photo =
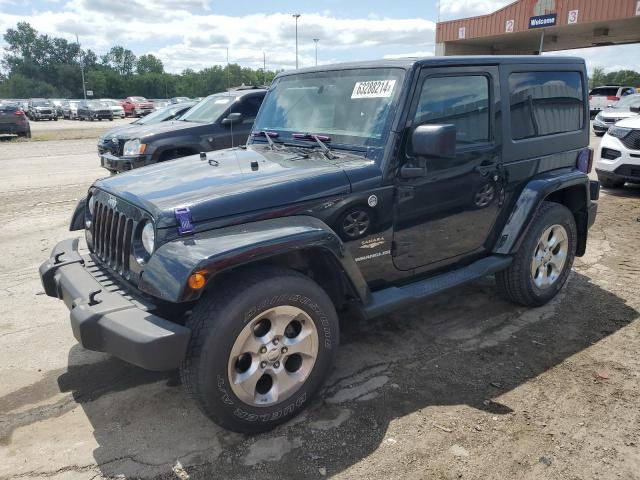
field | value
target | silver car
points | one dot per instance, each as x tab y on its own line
70	109
114	105
627	107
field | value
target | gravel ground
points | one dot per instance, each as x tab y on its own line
464	385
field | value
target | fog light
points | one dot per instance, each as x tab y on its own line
610	154
196	281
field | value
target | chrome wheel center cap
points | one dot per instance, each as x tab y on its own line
273	354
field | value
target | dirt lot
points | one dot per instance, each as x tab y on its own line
465	385
68	129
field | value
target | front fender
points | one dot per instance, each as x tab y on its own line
530	200
77	219
216	251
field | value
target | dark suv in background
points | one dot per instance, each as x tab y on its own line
13	120
94	110
219	121
41	109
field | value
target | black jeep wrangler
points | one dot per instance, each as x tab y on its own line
367	186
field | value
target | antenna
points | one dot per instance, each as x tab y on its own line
264	68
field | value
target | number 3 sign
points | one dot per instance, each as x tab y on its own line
573	17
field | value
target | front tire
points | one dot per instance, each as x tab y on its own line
262	343
543	263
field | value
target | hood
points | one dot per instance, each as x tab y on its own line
617	113
127	132
233	187
631	122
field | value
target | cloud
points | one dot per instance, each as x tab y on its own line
183	39
453	9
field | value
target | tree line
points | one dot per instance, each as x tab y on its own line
626	78
39	65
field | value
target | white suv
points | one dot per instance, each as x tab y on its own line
618	158
602	97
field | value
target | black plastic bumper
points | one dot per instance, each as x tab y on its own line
105	321
122	164
624	173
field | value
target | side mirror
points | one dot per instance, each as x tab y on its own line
232	119
434	141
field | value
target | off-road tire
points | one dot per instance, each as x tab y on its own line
217	320
516	282
609	183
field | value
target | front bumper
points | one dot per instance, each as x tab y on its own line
600	127
122	164
106	321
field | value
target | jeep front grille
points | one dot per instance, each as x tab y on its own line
632	140
112	233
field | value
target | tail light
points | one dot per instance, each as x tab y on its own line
613	98
19	112
585	160
590	97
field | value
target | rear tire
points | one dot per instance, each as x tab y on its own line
542	264
242	366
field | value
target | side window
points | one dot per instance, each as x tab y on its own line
249	106
459	100
545	103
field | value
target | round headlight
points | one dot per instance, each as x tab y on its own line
148	237
92	205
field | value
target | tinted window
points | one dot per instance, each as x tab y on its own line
605	91
248	106
462	101
545	103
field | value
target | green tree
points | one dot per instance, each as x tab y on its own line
121	59
149	64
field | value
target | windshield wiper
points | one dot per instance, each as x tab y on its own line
319	139
266	134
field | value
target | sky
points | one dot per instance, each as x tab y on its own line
196	33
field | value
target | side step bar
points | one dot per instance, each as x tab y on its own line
392	298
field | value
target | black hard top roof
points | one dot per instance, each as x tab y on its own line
410	62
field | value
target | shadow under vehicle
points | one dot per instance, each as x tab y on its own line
232	265
219	121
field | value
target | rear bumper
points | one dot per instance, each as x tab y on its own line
105	321
12	128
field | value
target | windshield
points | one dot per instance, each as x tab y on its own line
158	116
209	109
630	101
138	99
351	106
96	104
111	103
42	103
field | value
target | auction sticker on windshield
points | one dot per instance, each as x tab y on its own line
373	89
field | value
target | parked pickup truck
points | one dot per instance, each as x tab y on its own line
137	106
366	186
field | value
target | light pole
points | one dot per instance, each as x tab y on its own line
296	16
316	40
84	88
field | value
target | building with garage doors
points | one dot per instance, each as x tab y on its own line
528	27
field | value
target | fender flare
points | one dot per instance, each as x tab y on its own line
216	251
77	219
530	200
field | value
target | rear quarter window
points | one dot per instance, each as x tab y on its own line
545	103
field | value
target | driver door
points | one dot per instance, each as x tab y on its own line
448	212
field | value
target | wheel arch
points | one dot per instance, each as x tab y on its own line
568	188
302	243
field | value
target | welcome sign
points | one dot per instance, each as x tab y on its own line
541	21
